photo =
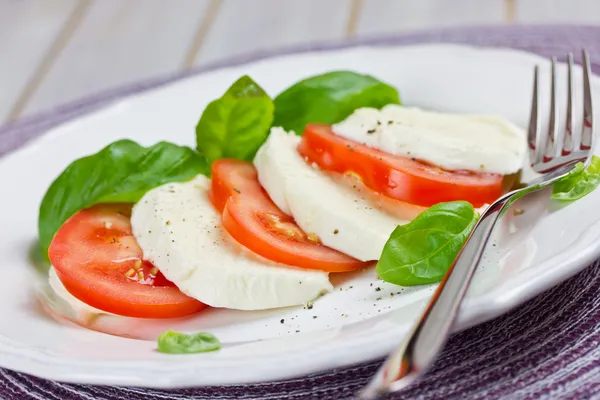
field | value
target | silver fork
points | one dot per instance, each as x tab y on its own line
553	154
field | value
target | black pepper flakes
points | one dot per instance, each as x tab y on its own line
297	331
282	320
377	289
237	190
314	317
335	231
390	122
168	222
370	131
379	298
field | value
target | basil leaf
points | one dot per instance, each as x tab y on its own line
172	342
421	251
330	98
121	172
579	183
237	124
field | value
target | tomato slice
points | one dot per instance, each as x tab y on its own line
254	221
99	262
397	177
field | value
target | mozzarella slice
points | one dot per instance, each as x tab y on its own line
180	232
451	141
341	218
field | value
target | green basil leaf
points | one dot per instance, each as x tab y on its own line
121	172
237	124
421	251
579	183
330	98
172	342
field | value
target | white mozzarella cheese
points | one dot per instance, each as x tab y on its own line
482	143
341	217
180	232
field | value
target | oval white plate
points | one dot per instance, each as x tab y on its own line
354	324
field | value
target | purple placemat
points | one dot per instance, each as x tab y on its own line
547	348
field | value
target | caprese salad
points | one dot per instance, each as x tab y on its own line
332	175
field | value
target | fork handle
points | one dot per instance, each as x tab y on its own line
428	337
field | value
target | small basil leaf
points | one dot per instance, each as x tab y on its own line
421	251
121	172
237	124
579	183
330	98
172	342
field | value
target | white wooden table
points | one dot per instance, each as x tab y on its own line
55	51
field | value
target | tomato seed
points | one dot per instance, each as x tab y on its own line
312	237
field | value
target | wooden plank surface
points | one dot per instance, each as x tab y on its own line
249	26
392	16
27	31
118	42
56	51
548	11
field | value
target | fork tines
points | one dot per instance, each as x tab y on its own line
557	145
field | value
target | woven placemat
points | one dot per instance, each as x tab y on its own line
547	348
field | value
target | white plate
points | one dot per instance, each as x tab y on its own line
531	252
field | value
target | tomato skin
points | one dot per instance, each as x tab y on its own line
255	222
92	254
397	177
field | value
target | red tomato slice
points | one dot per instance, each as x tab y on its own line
397	177
99	262
254	221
